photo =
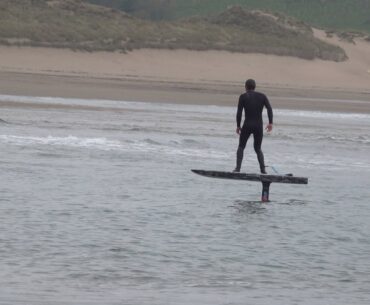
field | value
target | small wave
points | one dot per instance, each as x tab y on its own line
322	114
137	105
175	143
146	129
339	139
141	146
152	142
193	143
189	143
62	141
293	202
284	137
360	139
176	148
200	109
136	129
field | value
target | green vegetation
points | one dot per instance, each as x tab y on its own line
78	25
67	23
341	15
148	9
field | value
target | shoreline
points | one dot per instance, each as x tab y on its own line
175	92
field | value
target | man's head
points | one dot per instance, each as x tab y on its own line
250	84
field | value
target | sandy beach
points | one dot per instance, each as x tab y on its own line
183	76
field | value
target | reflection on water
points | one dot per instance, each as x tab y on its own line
292	202
249	207
259	207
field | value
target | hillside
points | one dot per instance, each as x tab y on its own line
78	25
340	15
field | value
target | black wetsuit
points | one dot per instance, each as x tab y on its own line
253	103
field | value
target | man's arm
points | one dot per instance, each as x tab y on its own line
269	113
239	114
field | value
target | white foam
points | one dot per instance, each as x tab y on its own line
72	141
143	146
211	109
321	114
137	105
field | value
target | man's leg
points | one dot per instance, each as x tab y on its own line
258	136
243	138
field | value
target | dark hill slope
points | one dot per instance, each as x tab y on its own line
341	15
78	25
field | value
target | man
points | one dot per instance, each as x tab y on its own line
253	103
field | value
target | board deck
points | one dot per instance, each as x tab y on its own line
252	177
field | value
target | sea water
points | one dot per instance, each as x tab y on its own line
98	206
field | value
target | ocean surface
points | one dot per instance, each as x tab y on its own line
98	206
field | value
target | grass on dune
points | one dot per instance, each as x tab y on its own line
78	25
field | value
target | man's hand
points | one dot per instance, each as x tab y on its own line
238	130
269	127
